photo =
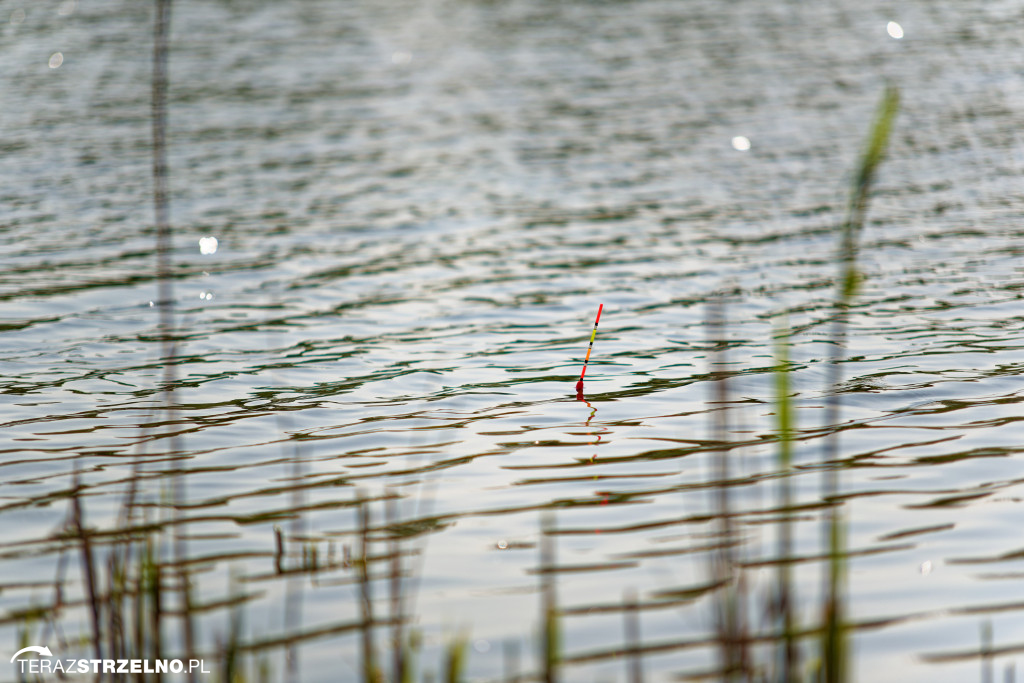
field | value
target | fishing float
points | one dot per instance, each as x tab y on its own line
579	385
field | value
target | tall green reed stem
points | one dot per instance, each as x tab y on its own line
371	672
731	598
834	647
165	296
631	617
395	589
88	570
549	601
786	601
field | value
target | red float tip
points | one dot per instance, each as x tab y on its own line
579	387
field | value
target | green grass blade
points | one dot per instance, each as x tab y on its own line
784	425
870	160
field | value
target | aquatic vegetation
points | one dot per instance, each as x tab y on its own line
785	600
551	630
835	649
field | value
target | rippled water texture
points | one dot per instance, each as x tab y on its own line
418	208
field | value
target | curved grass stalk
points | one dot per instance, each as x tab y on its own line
834	650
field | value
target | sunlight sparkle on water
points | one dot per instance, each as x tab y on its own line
740	143
56	59
208	245
894	30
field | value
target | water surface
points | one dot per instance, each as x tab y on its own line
419	207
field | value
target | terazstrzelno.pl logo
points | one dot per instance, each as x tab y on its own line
46	663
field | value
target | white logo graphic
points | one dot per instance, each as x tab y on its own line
62	667
33	648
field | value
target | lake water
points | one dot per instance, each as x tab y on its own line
418	208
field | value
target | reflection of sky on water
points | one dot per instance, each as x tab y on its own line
393	223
